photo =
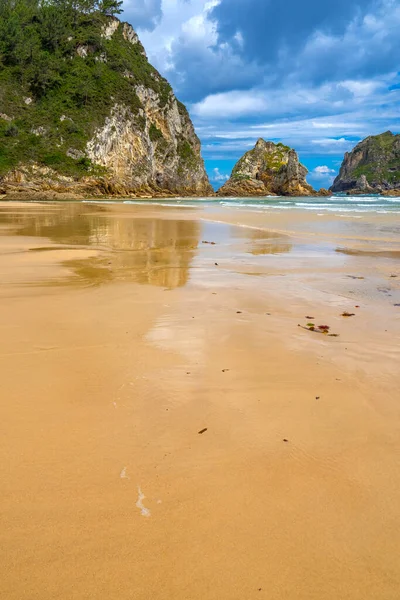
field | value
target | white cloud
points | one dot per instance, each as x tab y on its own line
217	176
362	88
323	172
322	124
184	48
230	104
330	142
180	19
288	100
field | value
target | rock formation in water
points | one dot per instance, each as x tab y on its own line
83	112
268	169
373	166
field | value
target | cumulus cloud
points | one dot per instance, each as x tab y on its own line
322	175
218	177
231	104
184	47
321	172
293	99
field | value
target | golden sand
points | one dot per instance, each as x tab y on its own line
123	336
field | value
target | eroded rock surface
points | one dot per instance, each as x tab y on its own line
268	169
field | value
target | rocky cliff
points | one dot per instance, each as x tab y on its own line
268	169
85	113
372	167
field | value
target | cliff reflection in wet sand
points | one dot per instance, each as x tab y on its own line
262	242
154	251
146	250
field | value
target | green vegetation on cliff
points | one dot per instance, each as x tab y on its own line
60	75
380	162
266	169
273	156
187	157
155	134
240	176
377	158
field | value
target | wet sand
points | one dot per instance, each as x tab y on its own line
123	336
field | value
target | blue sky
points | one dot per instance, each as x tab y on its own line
318	75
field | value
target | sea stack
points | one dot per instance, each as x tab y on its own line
372	167
268	169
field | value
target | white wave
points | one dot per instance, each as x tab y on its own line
266	206
348	209
363	202
150	203
228	199
358	198
314	204
99	201
279	207
244	205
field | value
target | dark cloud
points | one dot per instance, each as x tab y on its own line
201	71
312	41
264	44
271	28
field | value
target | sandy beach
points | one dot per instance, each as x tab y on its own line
172	428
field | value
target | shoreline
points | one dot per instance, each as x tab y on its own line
47	195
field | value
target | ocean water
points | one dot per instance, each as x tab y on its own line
335	204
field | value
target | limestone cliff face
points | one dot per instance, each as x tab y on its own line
155	150
268	169
372	167
136	139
